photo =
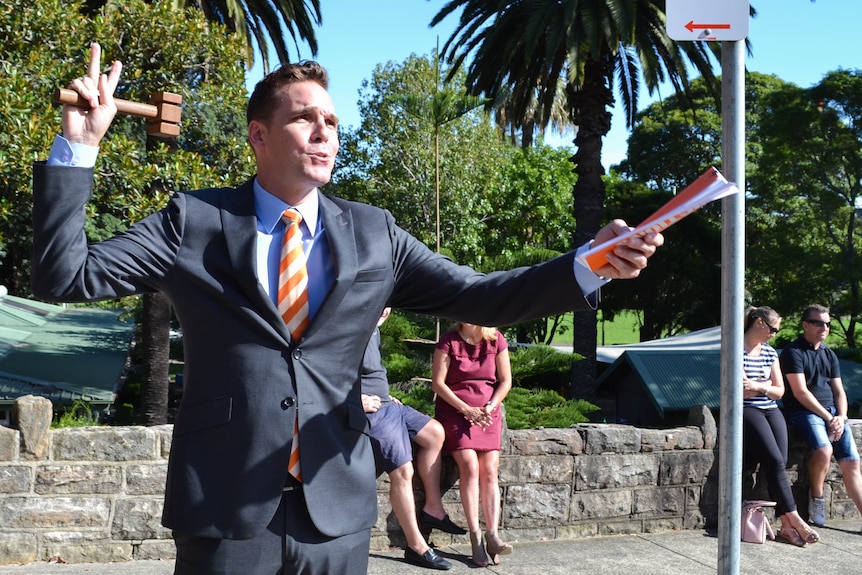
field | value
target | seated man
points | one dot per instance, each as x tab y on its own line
817	407
393	426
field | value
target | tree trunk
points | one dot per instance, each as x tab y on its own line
590	105
155	345
155	342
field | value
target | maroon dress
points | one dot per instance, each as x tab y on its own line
472	376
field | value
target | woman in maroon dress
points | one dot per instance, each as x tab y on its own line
471	376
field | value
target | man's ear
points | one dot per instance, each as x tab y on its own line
256	132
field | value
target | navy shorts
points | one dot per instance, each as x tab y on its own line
393	428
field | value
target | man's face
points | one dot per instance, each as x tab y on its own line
815	327
296	149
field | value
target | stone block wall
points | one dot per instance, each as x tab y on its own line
94	494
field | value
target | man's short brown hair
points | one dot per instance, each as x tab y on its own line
264	98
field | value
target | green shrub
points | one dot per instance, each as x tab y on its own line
418	396
525	408
530	408
78	415
401	368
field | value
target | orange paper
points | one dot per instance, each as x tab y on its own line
708	187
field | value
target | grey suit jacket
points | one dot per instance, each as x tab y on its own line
245	381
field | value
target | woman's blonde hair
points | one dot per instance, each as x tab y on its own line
488	333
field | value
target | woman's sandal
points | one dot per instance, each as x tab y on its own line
808	534
496	547
790	535
480	558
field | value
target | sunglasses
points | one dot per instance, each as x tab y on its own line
818	323
772	330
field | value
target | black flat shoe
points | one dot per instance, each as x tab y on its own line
444	524
429	560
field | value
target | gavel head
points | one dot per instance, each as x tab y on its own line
166	124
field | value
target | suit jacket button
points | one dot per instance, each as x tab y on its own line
297	353
287	403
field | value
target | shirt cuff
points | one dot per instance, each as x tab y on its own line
589	281
64	153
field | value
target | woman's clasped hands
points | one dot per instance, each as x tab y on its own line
478	416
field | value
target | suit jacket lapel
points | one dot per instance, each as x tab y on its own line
342	249
239	221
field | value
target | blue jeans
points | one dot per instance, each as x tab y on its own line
813	429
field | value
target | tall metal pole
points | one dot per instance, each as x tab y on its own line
732	283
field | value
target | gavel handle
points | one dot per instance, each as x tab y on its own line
71	97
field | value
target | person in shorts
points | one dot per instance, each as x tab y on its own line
817	407
394	429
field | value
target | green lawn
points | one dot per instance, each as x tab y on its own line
625	328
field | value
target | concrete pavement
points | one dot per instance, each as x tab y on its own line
665	553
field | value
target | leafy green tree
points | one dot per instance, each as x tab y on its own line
675	139
672	143
532	205
500	204
390	160
672	291
529	45
807	193
255	22
132	179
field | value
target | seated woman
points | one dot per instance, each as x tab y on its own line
764	430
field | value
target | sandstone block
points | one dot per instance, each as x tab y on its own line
546	442
155	550
15	479
600	505
105	444
535	505
701	417
536	469
165	434
54	512
10	444
139	518
32	416
602	438
616	471
18	548
659	501
682	467
78	479
146	479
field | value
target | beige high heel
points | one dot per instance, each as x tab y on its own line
496	546
480	558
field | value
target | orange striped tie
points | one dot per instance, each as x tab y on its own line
293	302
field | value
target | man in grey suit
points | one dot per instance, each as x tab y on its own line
229	500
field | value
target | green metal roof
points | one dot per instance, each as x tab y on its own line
61	353
676	380
679	379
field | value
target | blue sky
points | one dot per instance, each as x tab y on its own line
797	40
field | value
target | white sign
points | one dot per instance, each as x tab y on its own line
707	20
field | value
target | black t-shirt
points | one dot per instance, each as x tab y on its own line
818	366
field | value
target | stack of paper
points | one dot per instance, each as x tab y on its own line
710	186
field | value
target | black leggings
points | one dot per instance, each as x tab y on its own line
764	433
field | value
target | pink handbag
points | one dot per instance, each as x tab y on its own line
755	527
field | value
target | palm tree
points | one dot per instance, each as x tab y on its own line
528	46
256	21
526	126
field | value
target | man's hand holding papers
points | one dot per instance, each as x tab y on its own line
710	186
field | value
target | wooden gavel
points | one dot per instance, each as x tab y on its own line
163	114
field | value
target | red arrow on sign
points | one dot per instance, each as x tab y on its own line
691	26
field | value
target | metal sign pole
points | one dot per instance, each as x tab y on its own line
732	296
